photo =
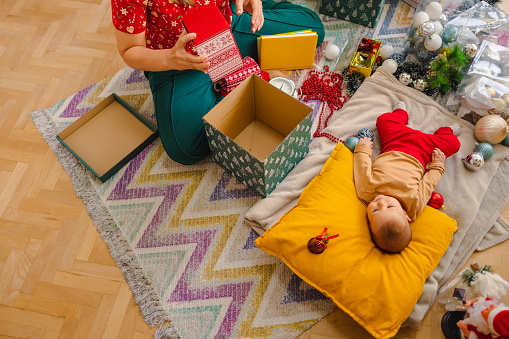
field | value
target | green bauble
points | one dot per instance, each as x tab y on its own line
351	142
450	34
485	149
505	142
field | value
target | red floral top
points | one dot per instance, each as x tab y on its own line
160	19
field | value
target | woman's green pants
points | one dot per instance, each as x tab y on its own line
182	98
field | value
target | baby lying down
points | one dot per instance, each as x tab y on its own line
398	184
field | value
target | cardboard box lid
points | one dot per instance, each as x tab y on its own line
105	135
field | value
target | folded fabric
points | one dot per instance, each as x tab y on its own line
378	289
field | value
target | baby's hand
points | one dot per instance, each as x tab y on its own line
366	141
438	155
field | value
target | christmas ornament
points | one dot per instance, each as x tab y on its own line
318	244
366	133
491	129
473	161
419	84
471	49
427	29
391	65
331	52
434	10
485	149
505	142
386	51
436	200
419	18
439	28
351	142
450	34
433	42
398	58
443	19
405	78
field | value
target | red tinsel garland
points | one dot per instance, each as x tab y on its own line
326	87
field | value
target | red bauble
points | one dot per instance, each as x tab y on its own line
316	245
436	200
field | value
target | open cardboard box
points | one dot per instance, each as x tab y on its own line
258	133
108	136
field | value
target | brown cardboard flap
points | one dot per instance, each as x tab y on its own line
235	112
259	139
277	109
105	135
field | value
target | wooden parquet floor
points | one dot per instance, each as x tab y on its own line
57	277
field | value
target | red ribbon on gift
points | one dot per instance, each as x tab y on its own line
324	238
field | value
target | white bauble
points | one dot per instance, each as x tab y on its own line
391	65
331	52
386	51
438	28
419	18
434	10
433	43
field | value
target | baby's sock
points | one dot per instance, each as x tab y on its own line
399	105
456	129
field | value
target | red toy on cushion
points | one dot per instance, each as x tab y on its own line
436	200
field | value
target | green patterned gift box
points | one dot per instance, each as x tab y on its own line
259	160
362	12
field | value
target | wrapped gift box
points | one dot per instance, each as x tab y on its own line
362	12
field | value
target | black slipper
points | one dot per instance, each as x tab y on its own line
449	327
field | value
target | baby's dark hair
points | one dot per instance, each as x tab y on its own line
393	236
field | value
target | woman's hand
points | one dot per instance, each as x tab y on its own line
180	59
254	7
132	48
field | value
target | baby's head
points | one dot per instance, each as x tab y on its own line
389	224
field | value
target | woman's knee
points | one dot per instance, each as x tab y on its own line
185	151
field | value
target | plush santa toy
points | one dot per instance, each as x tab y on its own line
485	319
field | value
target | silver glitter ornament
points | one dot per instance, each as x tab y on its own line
443	19
427	29
405	78
420	84
473	161
470	49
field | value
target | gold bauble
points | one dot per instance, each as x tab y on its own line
491	129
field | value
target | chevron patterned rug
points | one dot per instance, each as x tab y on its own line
177	231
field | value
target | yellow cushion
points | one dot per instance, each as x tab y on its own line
377	289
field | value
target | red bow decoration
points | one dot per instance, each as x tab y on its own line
318	244
326	238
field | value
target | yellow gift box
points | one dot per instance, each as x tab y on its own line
365	57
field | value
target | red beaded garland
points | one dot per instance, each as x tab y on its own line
326	87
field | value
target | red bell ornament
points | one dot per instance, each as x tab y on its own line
436	200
